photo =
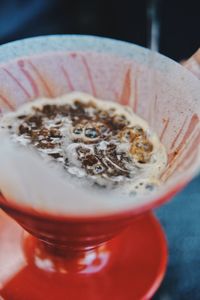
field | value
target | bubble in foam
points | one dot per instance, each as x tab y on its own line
91	132
150	187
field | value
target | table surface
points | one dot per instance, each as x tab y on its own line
180	219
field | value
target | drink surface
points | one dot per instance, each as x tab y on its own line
102	143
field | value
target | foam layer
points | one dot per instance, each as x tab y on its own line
103	144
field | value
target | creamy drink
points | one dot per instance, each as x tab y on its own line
100	142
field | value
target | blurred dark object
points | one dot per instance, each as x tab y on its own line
180	29
125	20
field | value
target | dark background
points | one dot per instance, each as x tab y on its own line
121	19
126	20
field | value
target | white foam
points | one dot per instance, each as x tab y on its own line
147	174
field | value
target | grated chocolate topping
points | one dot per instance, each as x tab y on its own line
103	143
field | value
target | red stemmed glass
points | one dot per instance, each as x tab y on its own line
107	251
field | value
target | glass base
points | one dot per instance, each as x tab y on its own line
129	267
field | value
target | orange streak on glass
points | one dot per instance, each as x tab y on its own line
178	134
43	81
67	77
33	84
126	89
190	152
7	102
136	96
17	82
89	75
172	157
164	129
